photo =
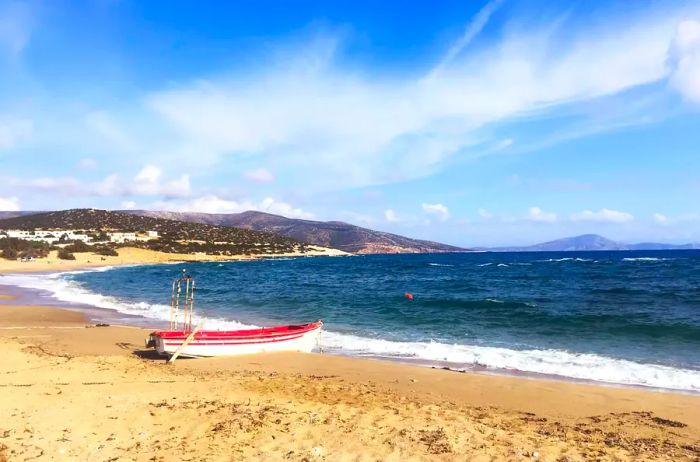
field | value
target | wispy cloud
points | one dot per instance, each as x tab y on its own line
439	210
16	24
603	216
685	60
357	131
260	175
214	204
472	30
537	214
147	182
9	204
391	216
660	218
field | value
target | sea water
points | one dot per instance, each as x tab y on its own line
617	317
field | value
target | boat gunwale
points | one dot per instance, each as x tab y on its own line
242	334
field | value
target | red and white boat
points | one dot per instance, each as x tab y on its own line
182	340
238	342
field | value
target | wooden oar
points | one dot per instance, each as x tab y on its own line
187	340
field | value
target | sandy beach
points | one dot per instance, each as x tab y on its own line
137	256
74	391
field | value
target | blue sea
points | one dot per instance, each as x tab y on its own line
617	317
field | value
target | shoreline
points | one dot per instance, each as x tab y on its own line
113	316
138	256
314	406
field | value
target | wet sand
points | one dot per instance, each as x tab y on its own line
72	391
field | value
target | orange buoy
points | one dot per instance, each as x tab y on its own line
408	296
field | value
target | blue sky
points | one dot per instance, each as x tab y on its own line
473	123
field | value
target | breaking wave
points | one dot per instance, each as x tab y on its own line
66	290
557	260
553	362
550	362
646	259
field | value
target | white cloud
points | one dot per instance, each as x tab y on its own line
305	111
270	205
660	218
260	175
537	214
213	204
438	209
13	131
485	214
148	175
503	144
472	30
390	216
9	204
204	204
684	58
128	205
109	186
603	216
148	183
679	219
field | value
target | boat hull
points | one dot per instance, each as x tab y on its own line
301	338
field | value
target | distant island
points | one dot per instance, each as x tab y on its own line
590	242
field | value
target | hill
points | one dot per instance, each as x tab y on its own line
334	234
4	215
589	242
174	236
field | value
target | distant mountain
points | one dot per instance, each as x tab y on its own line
174	236
334	234
588	242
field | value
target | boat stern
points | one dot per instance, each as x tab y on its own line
155	341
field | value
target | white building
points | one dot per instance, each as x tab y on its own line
50	237
67	235
120	237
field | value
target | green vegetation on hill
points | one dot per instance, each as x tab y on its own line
174	236
12	248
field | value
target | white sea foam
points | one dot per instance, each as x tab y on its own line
550	362
557	260
440	264
73	292
485	264
646	259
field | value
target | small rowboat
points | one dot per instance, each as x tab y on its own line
238	342
182	340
